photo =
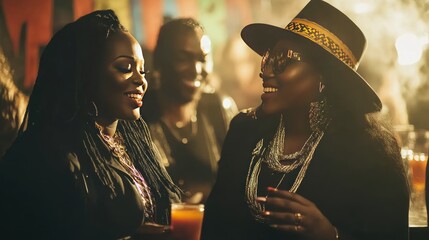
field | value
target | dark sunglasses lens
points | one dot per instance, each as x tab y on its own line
280	63
265	60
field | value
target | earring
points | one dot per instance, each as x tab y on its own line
321	87
319	115
92	109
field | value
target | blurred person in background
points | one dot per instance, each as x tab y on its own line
187	123
313	162
84	166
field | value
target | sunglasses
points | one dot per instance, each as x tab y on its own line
279	61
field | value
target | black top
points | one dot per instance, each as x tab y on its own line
191	162
51	192
358	186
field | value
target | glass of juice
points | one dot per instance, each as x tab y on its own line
418	171
417	161
186	221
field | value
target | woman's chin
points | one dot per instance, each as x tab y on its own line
134	115
268	110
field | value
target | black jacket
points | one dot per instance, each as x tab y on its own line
48	191
354	182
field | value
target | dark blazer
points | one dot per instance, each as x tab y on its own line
48	192
354	182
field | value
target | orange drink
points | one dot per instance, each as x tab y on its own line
186	221
417	165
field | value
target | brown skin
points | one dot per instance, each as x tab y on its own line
179	94
121	73
298	86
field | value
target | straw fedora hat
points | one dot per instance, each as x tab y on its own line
340	43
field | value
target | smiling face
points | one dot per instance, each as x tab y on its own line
290	83
121	83
184	73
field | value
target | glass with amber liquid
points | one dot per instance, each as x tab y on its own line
417	160
417	163
186	221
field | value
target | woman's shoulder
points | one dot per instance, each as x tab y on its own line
25	145
255	123
372	147
245	130
244	120
40	150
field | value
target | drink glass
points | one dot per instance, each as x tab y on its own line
417	160
417	164
186	221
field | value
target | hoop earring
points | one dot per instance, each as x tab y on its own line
92	109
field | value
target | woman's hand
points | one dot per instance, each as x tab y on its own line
153	231
290	212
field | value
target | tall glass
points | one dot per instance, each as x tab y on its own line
417	160
417	164
186	221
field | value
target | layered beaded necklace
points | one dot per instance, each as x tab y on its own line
273	155
117	146
276	158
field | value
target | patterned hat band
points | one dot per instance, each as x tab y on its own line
324	38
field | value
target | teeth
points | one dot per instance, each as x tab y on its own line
135	96
270	90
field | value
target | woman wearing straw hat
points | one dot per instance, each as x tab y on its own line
313	161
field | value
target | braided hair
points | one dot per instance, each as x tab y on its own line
61	100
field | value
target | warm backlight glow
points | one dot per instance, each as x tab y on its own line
206	44
409	48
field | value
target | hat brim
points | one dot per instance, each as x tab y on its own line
348	87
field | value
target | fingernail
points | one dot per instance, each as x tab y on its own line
272	189
261	199
266	213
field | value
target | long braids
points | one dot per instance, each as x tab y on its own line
98	155
137	142
61	101
140	148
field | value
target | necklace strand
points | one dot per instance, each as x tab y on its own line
272	155
174	130
275	153
117	146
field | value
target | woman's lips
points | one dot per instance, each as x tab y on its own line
136	99
268	92
270	89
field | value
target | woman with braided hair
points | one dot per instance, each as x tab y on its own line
84	166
